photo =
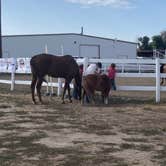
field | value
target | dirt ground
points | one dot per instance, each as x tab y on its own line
130	131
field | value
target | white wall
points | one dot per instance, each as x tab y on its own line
30	45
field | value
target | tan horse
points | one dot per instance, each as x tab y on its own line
162	70
96	82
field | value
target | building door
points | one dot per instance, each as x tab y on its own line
89	50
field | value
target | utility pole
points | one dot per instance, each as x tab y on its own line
0	33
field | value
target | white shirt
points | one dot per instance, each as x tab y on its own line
91	69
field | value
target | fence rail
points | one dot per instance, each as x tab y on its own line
132	68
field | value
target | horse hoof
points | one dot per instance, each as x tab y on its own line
106	101
63	102
71	101
34	102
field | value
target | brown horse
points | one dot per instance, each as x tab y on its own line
96	82
54	66
162	70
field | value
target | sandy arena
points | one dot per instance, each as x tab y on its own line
130	131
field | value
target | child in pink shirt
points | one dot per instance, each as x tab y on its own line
112	75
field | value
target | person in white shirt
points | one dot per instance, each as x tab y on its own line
93	69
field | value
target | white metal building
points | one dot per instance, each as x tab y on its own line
77	45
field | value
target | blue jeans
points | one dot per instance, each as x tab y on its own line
113	85
75	92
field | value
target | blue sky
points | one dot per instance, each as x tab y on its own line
121	19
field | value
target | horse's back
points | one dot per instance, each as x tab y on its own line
45	58
89	79
56	66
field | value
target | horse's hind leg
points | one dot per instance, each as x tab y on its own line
33	84
38	87
106	99
68	88
93	98
83	96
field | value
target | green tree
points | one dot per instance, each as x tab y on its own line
157	42
144	43
163	36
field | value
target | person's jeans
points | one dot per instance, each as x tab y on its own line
113	85
75	92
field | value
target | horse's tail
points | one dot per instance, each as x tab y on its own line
78	81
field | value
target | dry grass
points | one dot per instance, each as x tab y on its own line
131	130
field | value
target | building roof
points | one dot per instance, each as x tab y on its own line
24	35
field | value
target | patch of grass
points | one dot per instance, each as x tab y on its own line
141	147
128	100
5	159
127	146
151	131
4	106
75	160
102	159
99	128
161	155
133	139
148	109
107	150
2	114
130	131
144	131
105	132
164	129
8	126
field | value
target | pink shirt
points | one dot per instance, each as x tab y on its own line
111	73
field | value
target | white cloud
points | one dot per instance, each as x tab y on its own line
113	3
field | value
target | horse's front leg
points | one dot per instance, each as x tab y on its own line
64	91
38	87
83	96
33	84
105	96
92	98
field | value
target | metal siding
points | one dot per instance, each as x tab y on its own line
27	46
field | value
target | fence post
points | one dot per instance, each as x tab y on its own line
47	77
139	68
13	69
157	80
59	86
85	63
123	68
52	89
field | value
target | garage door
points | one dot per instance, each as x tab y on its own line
90	51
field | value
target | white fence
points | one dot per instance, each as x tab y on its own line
142	68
